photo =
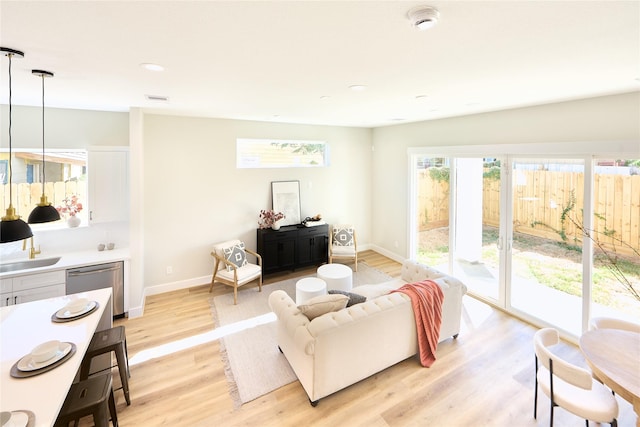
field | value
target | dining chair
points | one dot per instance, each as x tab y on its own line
613	323
569	386
343	244
232	268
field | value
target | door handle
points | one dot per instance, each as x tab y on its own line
84	273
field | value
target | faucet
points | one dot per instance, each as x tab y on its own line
32	251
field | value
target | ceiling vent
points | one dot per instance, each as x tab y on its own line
423	17
157	98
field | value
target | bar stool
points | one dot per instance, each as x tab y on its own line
93	396
106	341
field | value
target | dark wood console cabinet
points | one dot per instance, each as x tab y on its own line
292	247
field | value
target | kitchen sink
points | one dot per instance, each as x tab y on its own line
29	264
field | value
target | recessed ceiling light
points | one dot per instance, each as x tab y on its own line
325	97
357	87
152	67
421	97
423	17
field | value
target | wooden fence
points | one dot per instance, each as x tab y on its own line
27	196
538	203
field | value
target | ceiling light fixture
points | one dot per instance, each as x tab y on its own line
423	17
43	212
152	67
357	87
12	228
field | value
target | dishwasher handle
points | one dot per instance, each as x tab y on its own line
84	273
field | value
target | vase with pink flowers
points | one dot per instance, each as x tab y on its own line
69	209
269	219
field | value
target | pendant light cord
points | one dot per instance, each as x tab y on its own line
10	55
43	168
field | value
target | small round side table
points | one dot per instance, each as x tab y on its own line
337	276
308	288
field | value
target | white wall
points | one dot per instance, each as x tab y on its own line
194	196
606	119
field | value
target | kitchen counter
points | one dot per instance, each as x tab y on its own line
69	260
23	327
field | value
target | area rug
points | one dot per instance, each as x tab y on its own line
253	364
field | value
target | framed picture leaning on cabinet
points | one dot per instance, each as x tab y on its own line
286	199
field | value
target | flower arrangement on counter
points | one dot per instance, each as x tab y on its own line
70	206
269	217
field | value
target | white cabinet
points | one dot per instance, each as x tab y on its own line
32	287
108	173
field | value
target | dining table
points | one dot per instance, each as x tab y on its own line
614	357
41	392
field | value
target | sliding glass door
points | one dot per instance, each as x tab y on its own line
554	239
476	254
546	250
614	234
458	219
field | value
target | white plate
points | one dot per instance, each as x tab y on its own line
64	313
15	419
27	363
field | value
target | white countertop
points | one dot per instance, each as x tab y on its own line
70	260
23	327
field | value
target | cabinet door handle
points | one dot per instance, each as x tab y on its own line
7	303
15	299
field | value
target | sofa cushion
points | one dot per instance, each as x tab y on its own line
323	304
353	298
372	291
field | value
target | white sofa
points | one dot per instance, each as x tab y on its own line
340	348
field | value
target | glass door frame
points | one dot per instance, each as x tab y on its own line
588	151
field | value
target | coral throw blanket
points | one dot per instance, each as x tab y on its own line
426	300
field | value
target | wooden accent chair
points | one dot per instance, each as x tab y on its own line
232	267
569	386
343	244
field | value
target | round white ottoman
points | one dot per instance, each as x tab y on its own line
337	276
308	288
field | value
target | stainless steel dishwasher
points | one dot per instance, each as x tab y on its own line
99	276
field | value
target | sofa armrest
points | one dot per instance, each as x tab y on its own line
292	321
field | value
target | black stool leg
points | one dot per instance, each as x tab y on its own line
123	368
112	409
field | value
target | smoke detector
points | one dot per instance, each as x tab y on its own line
423	17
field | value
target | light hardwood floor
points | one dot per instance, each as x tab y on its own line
484	378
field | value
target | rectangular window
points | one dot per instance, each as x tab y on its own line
275	153
65	176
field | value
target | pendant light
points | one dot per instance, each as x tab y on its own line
43	212
12	228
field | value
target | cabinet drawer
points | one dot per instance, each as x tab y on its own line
308	231
38	280
6	285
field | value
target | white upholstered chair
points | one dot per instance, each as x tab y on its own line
232	267
569	386
343	244
613	323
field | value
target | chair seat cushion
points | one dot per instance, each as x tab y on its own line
343	250
597	404
246	273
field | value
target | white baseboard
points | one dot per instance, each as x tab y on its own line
382	251
198	281
166	287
